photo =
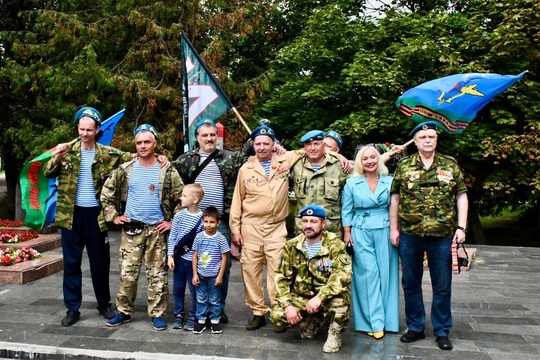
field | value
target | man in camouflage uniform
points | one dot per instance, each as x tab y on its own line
226	163
313	281
319	179
150	196
79	214
427	188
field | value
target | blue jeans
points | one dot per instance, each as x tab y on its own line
182	274
224	288
439	254
208	299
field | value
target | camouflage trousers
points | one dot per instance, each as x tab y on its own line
150	246
335	310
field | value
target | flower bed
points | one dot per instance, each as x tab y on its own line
11	237
11	256
10	223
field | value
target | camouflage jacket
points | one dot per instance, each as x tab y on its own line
322	187
427	198
327	274
115	190
105	161
229	162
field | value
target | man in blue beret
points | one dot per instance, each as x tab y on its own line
82	170
259	208
313	281
142	197
216	170
427	189
319	178
333	141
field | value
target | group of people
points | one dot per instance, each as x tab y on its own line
185	216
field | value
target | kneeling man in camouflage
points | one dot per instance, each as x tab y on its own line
313	281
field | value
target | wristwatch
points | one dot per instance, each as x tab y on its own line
464	229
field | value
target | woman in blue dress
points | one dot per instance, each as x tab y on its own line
365	219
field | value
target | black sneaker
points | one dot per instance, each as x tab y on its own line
216	328
412	336
255	323
444	343
199	328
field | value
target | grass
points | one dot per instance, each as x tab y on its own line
507	218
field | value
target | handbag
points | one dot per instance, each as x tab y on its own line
185	244
459	261
350	249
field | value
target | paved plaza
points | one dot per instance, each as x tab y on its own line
496	310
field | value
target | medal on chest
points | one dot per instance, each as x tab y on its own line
152	188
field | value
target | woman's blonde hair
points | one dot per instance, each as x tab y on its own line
359	170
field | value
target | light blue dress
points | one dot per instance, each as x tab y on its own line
375	290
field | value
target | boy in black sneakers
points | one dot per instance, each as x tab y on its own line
209	262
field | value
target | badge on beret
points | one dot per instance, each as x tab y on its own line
263	132
309	212
425	127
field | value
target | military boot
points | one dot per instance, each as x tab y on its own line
333	342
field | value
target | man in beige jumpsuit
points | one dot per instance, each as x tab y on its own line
257	220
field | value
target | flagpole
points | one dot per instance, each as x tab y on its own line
241	120
68	144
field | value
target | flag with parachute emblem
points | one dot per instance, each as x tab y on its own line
202	95
453	101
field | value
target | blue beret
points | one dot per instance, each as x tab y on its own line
313	210
204	122
263	130
146	127
424	126
312	135
88	112
334	135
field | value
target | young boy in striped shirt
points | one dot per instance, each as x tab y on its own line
209	262
183	224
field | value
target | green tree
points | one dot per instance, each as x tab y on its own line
345	73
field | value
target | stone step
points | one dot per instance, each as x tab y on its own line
42	243
23	229
32	270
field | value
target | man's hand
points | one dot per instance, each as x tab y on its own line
163	161
237	240
293	315
345	164
170	262
195	280
251	159
279	150
394	237
163	226
313	306
61	150
119	220
459	236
